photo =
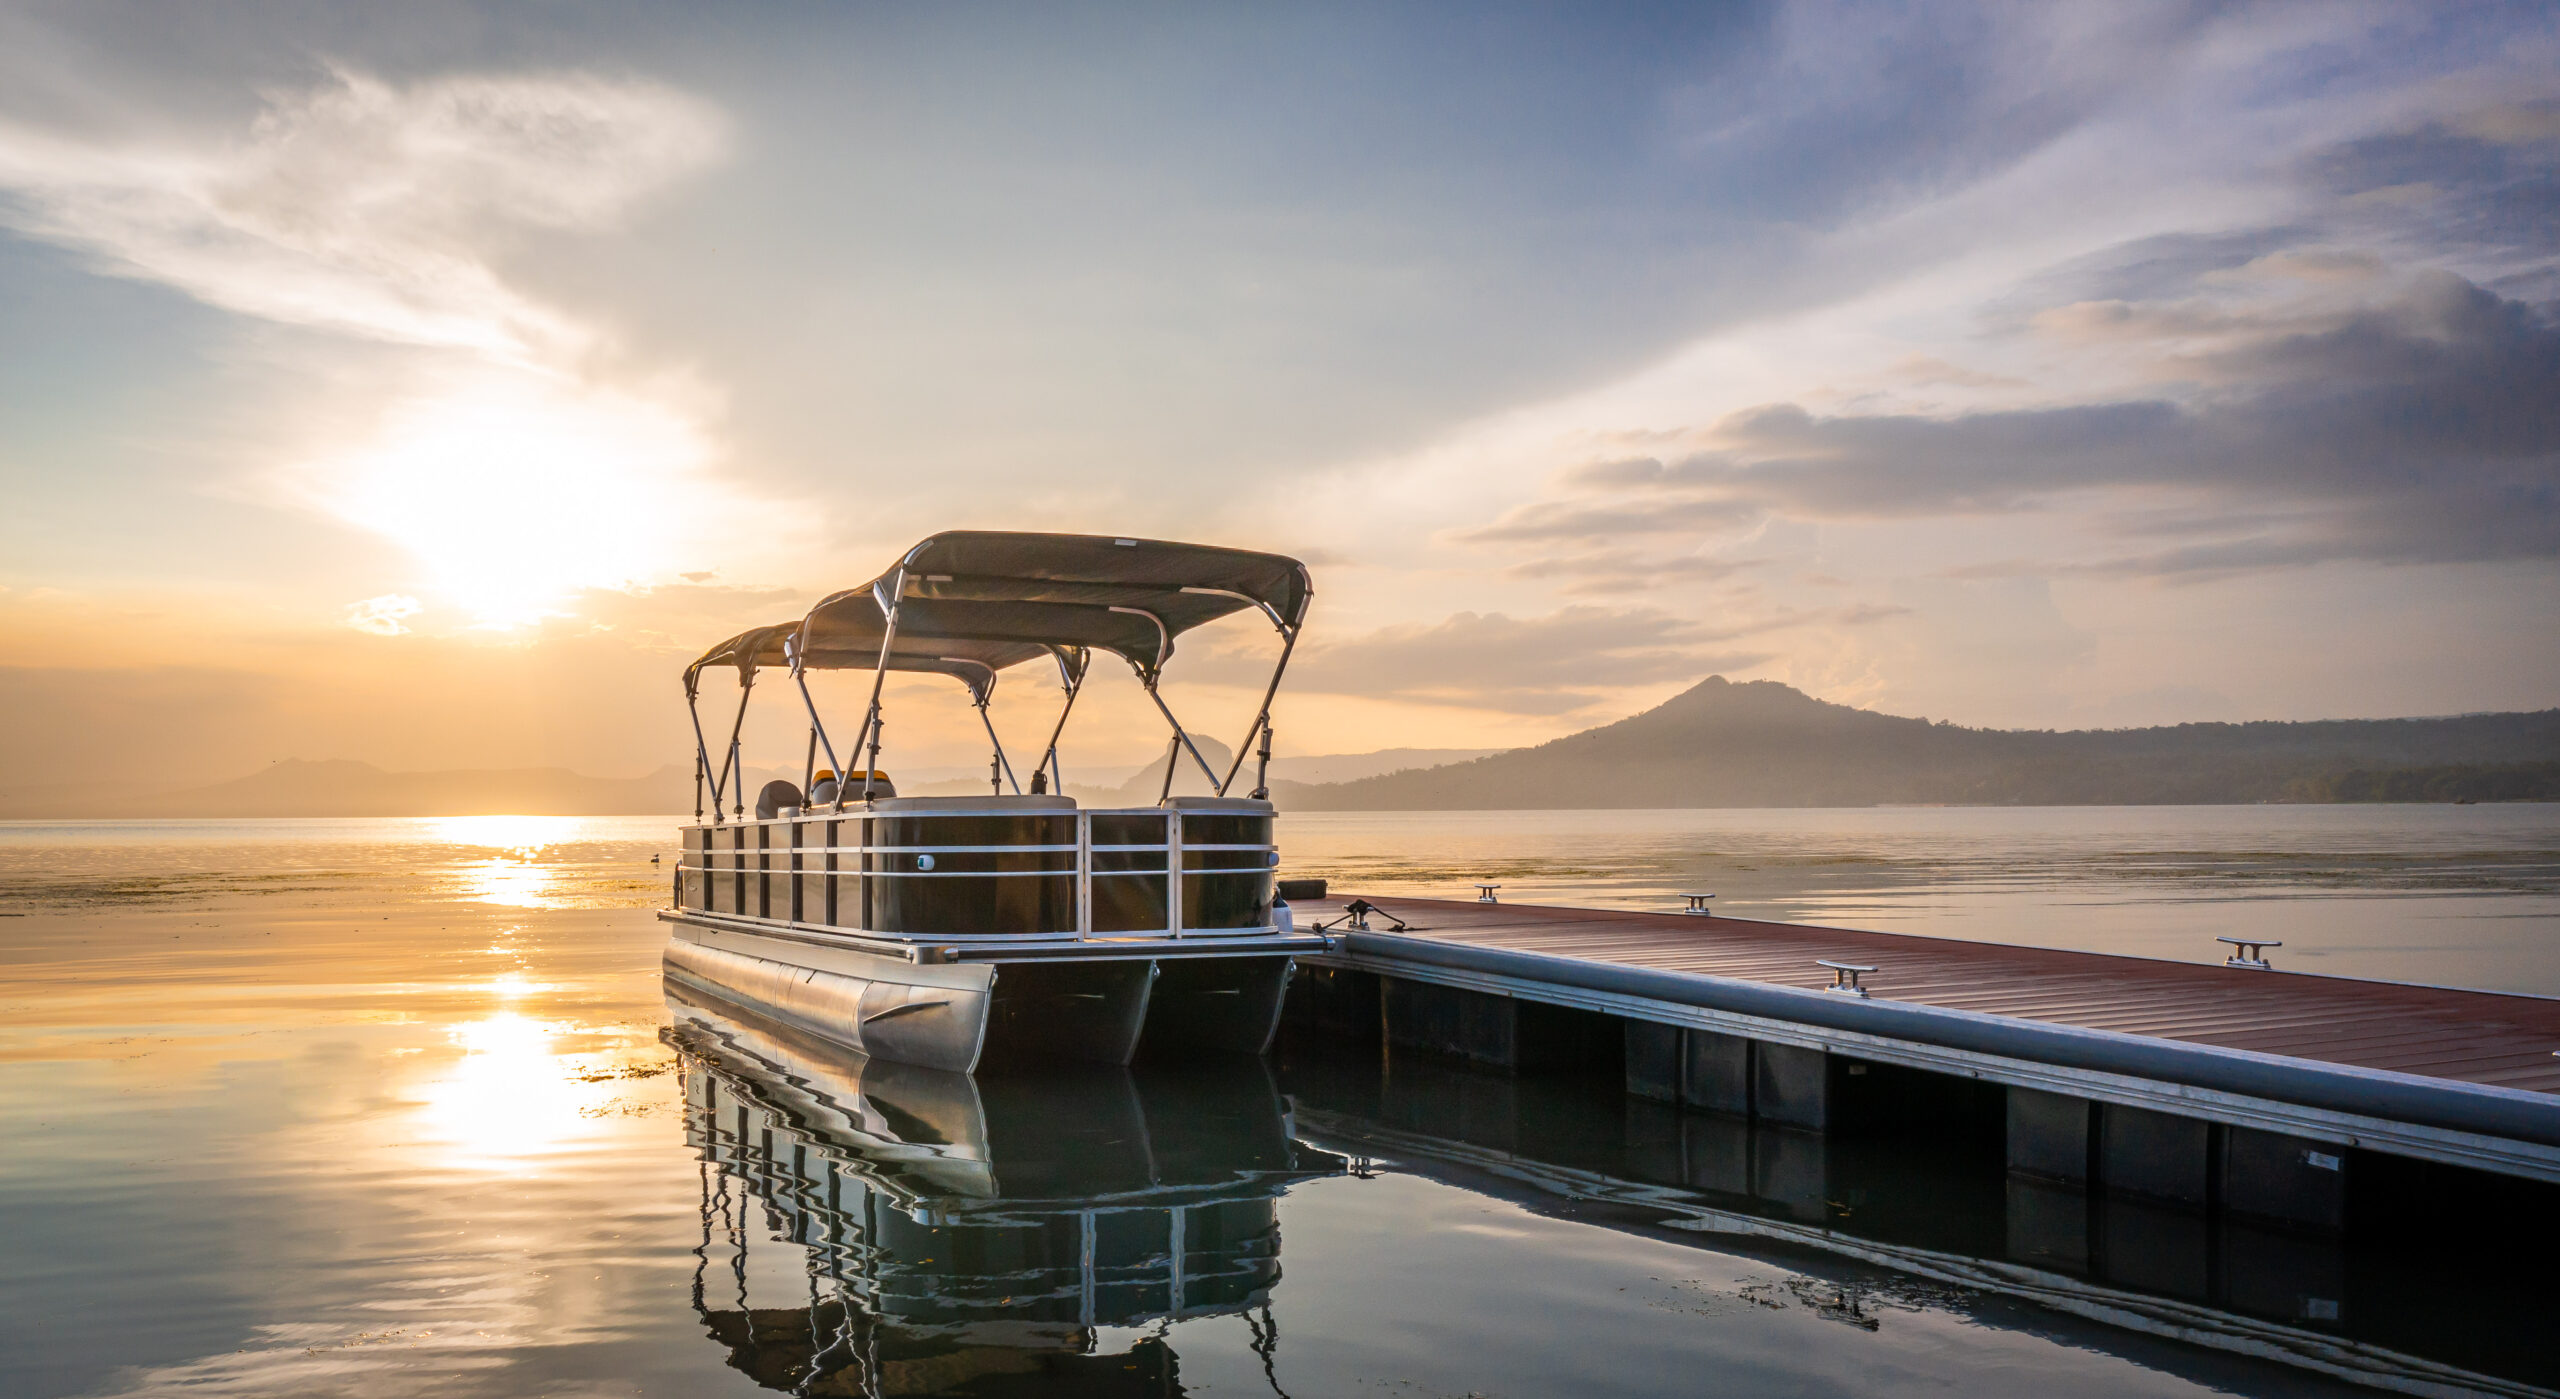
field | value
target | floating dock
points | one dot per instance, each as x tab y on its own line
2216	1086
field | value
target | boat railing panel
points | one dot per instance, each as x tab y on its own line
992	869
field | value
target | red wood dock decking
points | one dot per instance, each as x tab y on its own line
2479	1037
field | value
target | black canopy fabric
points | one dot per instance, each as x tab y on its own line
851	641
1131	597
748	650
978	601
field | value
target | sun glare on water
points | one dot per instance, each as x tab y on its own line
520	834
508	1096
516	872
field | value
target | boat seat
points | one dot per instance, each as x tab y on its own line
824	793
776	795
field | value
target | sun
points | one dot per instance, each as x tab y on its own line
514	490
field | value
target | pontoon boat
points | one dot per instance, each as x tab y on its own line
1013	927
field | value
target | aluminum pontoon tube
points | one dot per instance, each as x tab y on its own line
931	1016
2514	1114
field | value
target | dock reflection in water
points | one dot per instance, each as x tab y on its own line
953	1233
2428	1292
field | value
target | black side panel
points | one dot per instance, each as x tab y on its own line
1216	1005
1044	1012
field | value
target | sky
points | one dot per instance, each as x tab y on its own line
425	383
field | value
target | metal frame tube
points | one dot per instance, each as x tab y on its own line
1182	741
1049	759
843	776
879	677
1262	716
817	726
1001	762
701	756
730	768
818	729
1164	644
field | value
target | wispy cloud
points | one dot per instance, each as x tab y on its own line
386	615
369	208
2424	427
501	459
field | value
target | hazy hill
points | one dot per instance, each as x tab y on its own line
1766	744
342	787
1718	744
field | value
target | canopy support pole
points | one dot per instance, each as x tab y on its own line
844	776
1049	759
1262	725
809	764
1001	766
879	678
701	758
1181	741
730	771
817	728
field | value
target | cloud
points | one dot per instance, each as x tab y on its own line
2425	428
1547	522
372	209
1558	663
385	615
1605	571
506	465
1929	370
2481	183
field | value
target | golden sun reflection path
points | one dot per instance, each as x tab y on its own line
511	1097
373	1106
536	862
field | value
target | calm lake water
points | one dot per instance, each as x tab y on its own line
393	1107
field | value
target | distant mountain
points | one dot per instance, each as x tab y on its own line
1351	767
1717	745
1765	744
342	787
1142	787
1123	787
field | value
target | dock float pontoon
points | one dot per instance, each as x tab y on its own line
2248	1089
1012	927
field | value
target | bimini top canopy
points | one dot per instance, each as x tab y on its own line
853	643
748	650
1131	597
972	603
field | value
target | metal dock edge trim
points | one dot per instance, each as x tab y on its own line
2510	1131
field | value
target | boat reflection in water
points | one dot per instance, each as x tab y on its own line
960	1233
